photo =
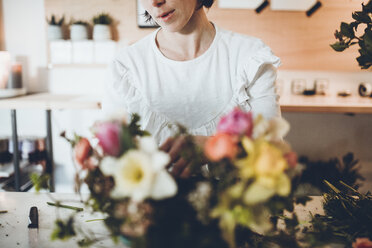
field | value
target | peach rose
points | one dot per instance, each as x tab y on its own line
220	146
362	243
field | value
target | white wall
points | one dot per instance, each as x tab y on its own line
25	39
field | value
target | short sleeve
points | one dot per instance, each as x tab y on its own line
118	89
257	91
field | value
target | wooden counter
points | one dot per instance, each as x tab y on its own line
326	104
288	103
49	101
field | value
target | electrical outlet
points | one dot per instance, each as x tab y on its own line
322	86
298	86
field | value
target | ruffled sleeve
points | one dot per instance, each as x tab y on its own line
122	95
119	89
256	90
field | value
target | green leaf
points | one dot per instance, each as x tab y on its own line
368	7
361	17
63	230
339	46
364	61
347	30
40	182
367	37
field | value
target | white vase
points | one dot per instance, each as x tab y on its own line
78	32
55	32
101	32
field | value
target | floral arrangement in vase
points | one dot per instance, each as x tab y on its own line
245	199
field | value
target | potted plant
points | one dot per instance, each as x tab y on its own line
347	36
55	28
102	29
79	30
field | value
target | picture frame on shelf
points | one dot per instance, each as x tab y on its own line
141	19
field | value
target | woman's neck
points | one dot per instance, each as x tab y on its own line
190	42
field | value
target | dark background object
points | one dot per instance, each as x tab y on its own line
313	9
365	89
262	7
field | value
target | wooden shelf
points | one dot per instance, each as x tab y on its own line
326	104
288	103
50	101
79	66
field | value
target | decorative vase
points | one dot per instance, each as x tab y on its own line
101	32
78	32
55	32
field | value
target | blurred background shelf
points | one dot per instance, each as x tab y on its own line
326	104
51	101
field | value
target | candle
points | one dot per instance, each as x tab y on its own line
15	79
4	69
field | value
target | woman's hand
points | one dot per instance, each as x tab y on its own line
174	146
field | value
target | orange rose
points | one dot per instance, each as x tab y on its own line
221	146
83	150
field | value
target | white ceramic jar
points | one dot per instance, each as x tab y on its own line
78	32
55	32
101	32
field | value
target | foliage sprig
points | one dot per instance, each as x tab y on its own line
347	36
56	22
102	18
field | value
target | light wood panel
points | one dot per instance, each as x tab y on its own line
326	104
301	42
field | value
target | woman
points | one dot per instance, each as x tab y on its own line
191	72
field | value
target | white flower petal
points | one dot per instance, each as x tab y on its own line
139	195
118	193
109	166
147	144
282	128
164	186
160	160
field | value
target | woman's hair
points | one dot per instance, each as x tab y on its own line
202	3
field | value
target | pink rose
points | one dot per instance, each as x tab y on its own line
362	243
237	122
108	134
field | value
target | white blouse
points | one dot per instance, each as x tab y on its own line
236	70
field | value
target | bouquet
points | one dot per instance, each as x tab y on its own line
245	198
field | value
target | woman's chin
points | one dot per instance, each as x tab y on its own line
171	27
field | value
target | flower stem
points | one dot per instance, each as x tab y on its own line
65	206
94	220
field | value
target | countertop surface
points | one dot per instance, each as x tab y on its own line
15	233
13	224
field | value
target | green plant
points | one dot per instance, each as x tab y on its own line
102	18
53	20
347	216
347	35
79	22
333	170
